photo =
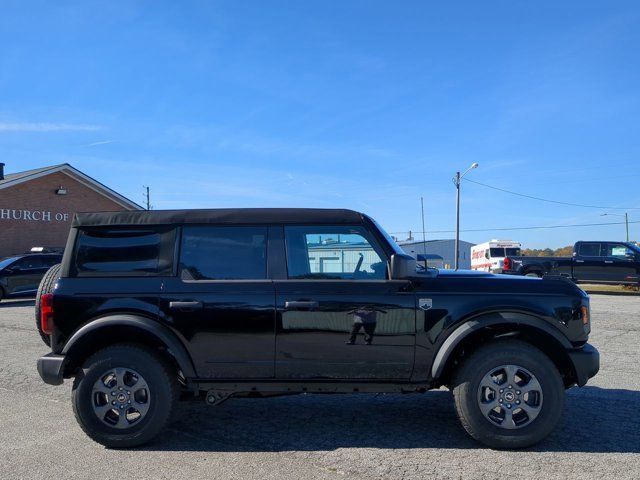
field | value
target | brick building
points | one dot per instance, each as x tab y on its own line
37	206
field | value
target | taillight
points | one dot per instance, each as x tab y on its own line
46	313
506	265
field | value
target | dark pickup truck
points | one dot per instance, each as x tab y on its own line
592	262
147	307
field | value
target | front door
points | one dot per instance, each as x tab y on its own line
222	301
621	263
338	315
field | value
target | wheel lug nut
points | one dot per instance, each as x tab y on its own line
508	405
510	387
517	402
499	400
121	407
113	403
113	394
128	392
518	392
502	390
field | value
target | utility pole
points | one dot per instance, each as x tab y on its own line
456	182
626	220
424	235
148	198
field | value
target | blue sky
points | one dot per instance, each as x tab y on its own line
357	104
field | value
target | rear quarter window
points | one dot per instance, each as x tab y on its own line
124	252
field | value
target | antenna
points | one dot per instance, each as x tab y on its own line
424	235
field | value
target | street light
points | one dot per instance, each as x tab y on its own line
456	182
626	219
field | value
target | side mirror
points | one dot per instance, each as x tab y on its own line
402	266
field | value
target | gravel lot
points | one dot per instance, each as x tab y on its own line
312	436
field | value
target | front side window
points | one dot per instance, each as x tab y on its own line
341	252
223	253
618	250
124	252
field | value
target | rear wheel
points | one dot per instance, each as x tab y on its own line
124	395
46	286
508	394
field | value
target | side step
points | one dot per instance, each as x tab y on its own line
219	391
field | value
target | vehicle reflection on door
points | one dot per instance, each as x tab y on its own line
367	331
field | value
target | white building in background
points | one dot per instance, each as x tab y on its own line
337	257
445	249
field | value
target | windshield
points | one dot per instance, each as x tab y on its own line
388	238
5	262
633	247
504	252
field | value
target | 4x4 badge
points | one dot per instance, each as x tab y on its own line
425	303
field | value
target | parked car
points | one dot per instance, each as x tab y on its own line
20	275
153	305
592	262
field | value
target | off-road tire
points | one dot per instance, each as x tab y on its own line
46	286
160	377
467	380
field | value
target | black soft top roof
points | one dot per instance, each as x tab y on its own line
224	216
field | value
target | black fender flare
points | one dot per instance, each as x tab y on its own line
486	320
161	332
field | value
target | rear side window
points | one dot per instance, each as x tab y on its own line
589	250
223	253
124	252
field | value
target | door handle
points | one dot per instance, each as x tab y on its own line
300	305
579	261
186	306
608	261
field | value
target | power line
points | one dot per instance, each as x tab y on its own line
531	197
526	228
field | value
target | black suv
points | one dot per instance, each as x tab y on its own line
152	306
20	275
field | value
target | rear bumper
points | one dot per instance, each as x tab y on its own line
51	368
586	363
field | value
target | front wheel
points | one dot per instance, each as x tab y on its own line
508	394
124	395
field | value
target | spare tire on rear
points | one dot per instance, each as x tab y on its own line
46	286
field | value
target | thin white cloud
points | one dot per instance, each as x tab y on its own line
95	144
47	127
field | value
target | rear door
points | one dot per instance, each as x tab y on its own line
589	262
339	316
223	302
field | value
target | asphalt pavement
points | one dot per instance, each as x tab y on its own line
325	436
